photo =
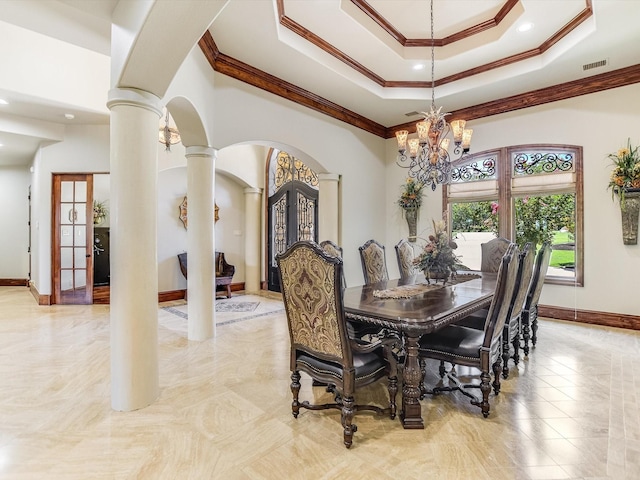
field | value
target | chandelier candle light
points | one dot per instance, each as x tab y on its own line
428	158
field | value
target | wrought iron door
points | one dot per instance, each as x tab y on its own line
293	216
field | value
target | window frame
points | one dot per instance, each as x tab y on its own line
507	194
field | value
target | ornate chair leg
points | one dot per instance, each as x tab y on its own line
525	333
485	388
516	349
393	392
534	325
347	418
505	353
295	389
441	370
496	377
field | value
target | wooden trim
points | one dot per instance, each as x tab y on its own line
246	73
171	295
605	319
374	15
14	282
584	86
41	299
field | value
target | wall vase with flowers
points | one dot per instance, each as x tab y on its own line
410	201
625	183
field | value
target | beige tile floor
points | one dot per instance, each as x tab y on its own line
570	410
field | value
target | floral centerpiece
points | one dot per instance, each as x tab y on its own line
437	258
100	212
626	170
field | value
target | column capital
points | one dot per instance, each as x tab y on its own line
200	151
328	177
249	190
134	98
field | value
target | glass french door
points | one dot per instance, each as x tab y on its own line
72	265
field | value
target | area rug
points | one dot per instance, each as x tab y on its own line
236	306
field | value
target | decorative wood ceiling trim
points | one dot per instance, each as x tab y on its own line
376	17
584	86
241	71
246	73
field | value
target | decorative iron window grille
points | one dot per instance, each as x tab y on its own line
288	169
481	169
535	163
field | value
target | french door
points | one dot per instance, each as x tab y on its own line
72	239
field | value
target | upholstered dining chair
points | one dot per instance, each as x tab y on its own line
320	345
491	253
331	248
374	263
405	255
471	347
530	308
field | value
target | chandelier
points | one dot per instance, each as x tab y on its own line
428	158
168	135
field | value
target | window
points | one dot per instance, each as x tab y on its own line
527	193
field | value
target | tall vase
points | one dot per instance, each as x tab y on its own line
411	214
630	210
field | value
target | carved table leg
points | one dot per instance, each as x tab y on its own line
411	415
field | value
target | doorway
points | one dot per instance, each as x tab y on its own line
72	239
292	207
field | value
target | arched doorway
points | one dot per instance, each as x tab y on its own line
292	207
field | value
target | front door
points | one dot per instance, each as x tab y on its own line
72	239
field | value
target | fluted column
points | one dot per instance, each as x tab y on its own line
328	207
134	261
252	224
200	242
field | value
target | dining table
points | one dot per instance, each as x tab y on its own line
412	307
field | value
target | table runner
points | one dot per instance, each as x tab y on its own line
408	291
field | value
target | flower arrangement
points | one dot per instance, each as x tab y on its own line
100	212
411	196
626	170
437	259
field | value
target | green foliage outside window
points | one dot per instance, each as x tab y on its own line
474	217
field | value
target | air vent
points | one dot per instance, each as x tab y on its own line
598	64
412	114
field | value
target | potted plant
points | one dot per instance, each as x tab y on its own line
437	259
625	182
410	201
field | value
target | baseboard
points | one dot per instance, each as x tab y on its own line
41	299
605	319
14	282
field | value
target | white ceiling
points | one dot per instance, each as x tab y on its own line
249	31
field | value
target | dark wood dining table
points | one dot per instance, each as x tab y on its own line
415	316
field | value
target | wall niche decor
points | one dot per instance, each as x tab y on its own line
183	212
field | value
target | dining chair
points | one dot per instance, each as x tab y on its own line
374	263
530	308
491	254
405	256
331	248
471	347
320	345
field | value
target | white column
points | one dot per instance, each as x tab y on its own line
328	208
134	262
200	242
252	228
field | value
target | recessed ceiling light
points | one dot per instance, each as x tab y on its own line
419	66
3	102
525	27
69	116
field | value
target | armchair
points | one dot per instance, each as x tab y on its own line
320	345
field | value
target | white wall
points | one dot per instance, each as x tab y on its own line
601	124
14	217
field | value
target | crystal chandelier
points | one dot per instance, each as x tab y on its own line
428	157
168	135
